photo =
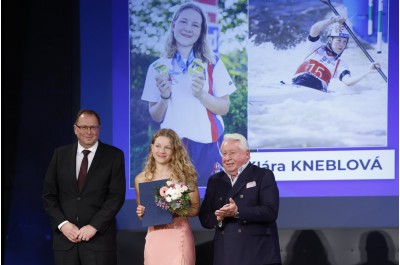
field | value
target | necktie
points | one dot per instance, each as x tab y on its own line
83	169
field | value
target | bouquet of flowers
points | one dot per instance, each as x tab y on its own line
174	197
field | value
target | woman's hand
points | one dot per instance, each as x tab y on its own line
163	85
338	19
197	85
140	211
374	66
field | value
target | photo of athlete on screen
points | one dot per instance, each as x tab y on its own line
188	89
323	61
318	86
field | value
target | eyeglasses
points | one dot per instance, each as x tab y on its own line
90	128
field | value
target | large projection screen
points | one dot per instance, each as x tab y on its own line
330	152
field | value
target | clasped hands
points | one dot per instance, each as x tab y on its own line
228	210
76	235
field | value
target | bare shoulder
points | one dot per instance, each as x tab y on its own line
140	178
193	186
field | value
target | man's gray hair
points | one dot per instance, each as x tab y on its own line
243	145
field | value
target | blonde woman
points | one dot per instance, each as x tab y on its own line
170	244
188	89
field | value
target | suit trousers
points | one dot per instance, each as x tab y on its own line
81	255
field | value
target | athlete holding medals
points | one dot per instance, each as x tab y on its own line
188	90
323	61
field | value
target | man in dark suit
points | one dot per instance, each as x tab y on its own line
83	218
242	203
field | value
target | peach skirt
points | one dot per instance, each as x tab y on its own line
171	244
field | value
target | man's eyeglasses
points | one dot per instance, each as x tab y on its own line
90	128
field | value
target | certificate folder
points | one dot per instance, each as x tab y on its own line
153	215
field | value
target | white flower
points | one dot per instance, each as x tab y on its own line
169	191
174	194
173	197
181	188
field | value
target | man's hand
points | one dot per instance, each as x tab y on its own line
86	233
71	232
228	210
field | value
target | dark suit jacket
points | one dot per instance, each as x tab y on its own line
97	204
253	238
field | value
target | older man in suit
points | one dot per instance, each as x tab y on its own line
241	203
82	197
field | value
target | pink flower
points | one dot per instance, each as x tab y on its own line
174	197
163	191
182	188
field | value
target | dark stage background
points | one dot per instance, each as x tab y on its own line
41	92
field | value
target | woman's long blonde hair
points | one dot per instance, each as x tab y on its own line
180	164
201	48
